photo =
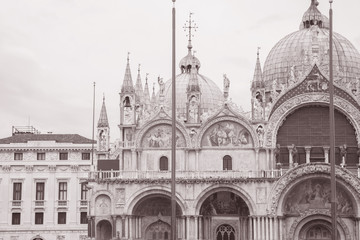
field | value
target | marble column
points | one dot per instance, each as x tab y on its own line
196	226
114	225
197	159
271	223
257	159
131	227
187	227
266	228
133	165
186	167
139	162
326	153
280	229
307	152
126	230
291	161
201	227
183	233
254	230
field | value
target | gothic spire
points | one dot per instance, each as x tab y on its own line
138	87
103	119
146	90
127	86
257	79
153	97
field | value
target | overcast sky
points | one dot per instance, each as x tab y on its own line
51	51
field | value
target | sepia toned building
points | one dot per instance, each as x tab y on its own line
263	175
41	183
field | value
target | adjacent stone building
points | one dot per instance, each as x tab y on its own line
41	183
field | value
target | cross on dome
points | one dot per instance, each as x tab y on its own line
191	25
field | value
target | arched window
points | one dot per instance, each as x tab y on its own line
225	232
227	163
164	164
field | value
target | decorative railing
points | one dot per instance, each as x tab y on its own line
62	203
98	175
16	203
39	203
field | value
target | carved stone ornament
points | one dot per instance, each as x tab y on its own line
285	182
144	131
74	168
60	237
52	168
29	168
290	105
83	237
243	123
6	168
313	212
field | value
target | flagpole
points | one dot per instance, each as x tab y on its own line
173	132
93	126
332	130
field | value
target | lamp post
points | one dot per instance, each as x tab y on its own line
173	132
332	130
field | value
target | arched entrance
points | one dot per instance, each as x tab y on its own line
316	230
225	217
153	216
158	230
103	230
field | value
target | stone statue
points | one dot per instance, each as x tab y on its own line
161	85
260	132
294	154
343	152
277	155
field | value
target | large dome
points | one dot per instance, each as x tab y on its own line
293	56
211	95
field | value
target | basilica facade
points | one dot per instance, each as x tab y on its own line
239	176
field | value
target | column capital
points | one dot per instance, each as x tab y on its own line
307	148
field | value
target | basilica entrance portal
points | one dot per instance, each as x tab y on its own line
225	217
318	232
103	230
158	230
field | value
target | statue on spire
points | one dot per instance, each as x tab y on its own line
226	86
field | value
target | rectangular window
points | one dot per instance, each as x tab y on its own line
85	156
61	217
15	218
83	218
40	156
63	156
17	191
40	190
62	191
83	191
18	156
39	218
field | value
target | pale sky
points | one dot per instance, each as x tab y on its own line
51	51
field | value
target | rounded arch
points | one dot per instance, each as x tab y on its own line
239	120
225	231
308	99
312	218
293	177
154	123
98	194
153	190
38	237
104	230
220	188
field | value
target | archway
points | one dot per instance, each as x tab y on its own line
225	217
154	214
316	230
158	230
103	230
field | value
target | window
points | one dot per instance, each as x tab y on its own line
83	191
62	191
18	156
15	218
83	218
40	156
17	191
61	217
40	190
164	163
227	163
85	156
39	218
63	156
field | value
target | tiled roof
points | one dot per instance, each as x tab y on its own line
61	138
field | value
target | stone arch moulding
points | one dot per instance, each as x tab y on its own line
99	193
146	128
280	114
145	192
38	236
238	120
223	187
278	193
317	215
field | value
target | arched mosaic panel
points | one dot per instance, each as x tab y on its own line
315	194
159	136
102	205
227	134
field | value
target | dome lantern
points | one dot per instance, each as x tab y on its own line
314	17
